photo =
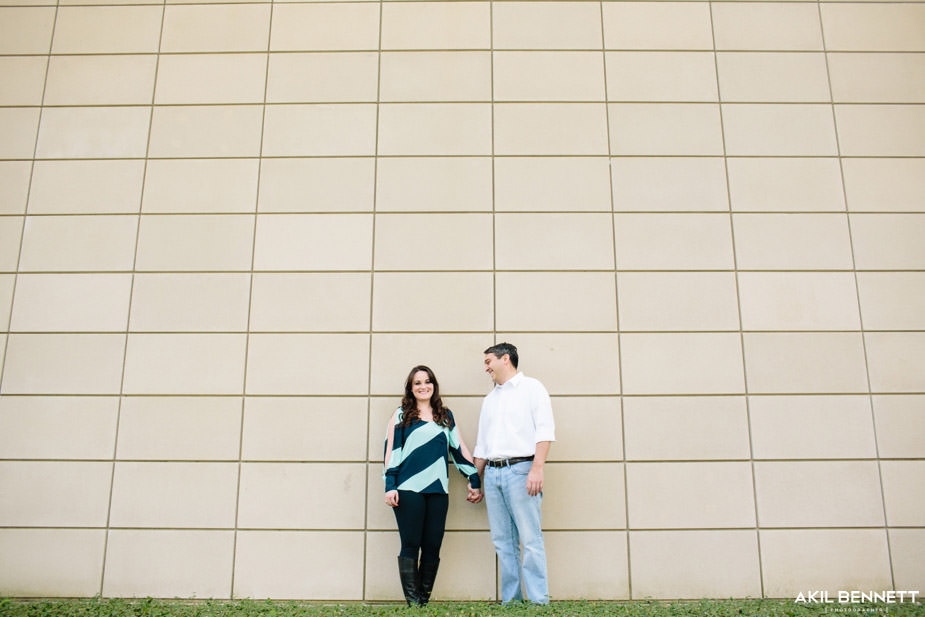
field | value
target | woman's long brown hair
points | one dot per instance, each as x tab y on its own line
409	404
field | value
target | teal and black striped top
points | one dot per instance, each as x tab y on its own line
419	457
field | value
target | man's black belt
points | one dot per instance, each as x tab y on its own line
509	461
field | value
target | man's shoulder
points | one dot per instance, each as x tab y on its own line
532	382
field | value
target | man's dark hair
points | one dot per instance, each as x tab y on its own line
504	349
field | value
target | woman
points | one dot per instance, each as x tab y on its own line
418	437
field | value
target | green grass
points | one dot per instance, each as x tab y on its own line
257	608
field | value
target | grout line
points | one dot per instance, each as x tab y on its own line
735	262
494	241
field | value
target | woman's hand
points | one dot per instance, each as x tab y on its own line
473	495
391	498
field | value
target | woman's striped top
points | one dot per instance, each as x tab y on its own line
419	457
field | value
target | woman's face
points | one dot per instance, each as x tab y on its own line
422	387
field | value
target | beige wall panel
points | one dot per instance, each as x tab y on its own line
881	130
316	185
661	76
93	132
71	363
667	129
785	185
888	241
6	299
71	302
101	80
434	129
587	565
798	301
906	548
85	187
673	241
558	301
456	359
11	229
319	130
14	186
773	77
190	302
900	425
207	131
550	128
779	130
434	76
51	562
285	496
548	76
702	363
869	27
885	184
322	77
434	184
189	186
286	564
805	362
467	570
174	495
464	242
307	364
18	128
695	564
298	27
553	25
537	184
216	28
107	29
179	428
560	361
767	26
310	302
465	410
211	78
677	301
895	361
553	242
794	561
657	25
54	494
168	564
22	80
892	300
690	428
574	441
877	78
26	30
71	243
184	364
178	242
435	25
812	494
313	242
792	242
304	429
566	484
453	301
676	495
807	427
905	505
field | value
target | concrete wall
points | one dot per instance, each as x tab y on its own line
228	230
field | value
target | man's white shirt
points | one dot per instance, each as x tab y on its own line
515	417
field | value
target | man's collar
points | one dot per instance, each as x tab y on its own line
514	381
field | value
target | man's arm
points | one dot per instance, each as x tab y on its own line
535	476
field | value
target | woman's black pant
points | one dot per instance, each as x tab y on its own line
421	521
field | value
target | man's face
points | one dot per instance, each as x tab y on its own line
494	366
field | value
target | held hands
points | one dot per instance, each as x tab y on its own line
535	481
473	495
391	498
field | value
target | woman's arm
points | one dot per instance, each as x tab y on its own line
388	472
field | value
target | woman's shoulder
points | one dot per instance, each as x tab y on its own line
398	415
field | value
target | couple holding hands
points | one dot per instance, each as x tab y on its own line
505	469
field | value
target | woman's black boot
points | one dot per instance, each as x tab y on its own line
410	579
428	576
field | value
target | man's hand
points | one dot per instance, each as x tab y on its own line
473	495
391	498
534	481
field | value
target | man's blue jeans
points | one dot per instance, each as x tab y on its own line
514	517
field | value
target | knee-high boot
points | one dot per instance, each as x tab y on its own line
410	579
428	576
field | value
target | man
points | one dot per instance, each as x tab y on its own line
515	430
